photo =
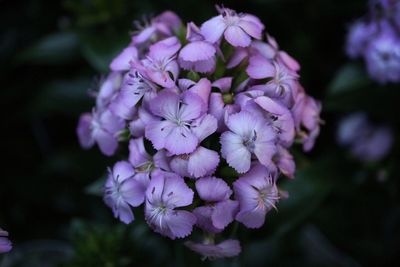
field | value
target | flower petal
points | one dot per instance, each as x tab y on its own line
181	141
121	62
224	213
202	162
237	37
235	153
213	29
137	153
84	132
158	131
212	189
260	68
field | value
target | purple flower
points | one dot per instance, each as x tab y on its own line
383	57
123	190
236	28
282	83
202	88
219	210
164	25
227	248
165	193
5	243
160	64
276	115
257	194
202	161
249	135
101	128
175	132
134	88
198	55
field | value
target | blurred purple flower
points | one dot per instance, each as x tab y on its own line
367	142
5	243
227	248
164	25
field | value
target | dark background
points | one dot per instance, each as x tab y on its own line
341	212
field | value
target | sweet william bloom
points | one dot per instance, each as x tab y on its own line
5	243
164	25
202	161
198	55
134	88
276	115
123	190
101	128
165	193
236	28
174	132
160	64
282	83
257	194
219	210
248	135
225	249
201	88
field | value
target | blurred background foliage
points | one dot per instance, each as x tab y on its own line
340	212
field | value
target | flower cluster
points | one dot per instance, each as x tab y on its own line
5	243
200	107
376	38
367	141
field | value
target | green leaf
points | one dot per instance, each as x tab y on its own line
97	187
349	77
57	48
